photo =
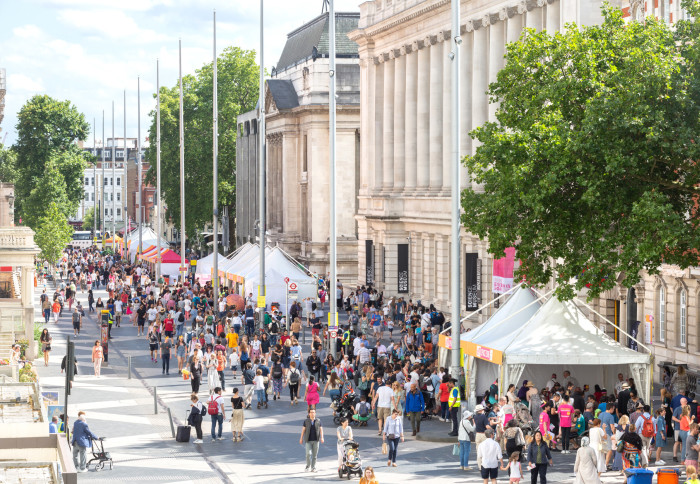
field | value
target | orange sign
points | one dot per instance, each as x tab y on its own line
484	353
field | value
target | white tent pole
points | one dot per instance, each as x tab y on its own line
484	307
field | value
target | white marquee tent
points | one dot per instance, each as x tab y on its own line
148	238
205	266
531	345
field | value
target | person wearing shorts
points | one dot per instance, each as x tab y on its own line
489	457
382	402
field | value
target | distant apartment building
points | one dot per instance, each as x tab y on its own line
3	87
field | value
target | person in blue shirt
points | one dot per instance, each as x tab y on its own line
415	405
53	426
607	423
82	440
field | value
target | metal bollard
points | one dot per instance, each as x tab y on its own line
170	419
155	400
128	360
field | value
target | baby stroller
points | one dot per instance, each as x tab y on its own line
99	456
525	420
352	463
345	407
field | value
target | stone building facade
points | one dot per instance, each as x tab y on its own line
298	163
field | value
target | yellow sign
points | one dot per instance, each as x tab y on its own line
331	324
261	301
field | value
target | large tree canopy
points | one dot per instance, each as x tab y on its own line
590	169
47	134
237	84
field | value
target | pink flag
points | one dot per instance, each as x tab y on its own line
503	272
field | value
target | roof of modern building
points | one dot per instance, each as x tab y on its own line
311	40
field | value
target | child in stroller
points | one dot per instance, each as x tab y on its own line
352	462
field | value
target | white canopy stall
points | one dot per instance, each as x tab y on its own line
520	346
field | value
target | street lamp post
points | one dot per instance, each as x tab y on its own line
261	169
215	241
182	174
158	227
333	316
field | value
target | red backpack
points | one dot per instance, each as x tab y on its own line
213	406
647	427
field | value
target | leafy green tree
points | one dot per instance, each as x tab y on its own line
8	165
237	93
50	189
47	133
589	170
89	219
52	233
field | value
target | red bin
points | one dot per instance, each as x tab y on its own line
667	475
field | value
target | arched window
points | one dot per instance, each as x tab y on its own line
661	298
682	318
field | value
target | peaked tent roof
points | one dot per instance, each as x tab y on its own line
559	333
171	257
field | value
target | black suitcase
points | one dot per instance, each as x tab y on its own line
183	431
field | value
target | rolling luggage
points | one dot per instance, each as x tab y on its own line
183	431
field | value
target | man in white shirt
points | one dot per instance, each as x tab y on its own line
363	356
217	419
382	403
356	344
552	381
381	349
489	458
118	307
620	381
568	378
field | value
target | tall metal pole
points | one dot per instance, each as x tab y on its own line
182	176
94	181
333	316
158	226
113	184
215	281
126	177
262	227
456	131
103	205
138	161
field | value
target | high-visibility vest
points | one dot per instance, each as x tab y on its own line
455	398
346	338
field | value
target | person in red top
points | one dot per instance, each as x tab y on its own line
444	398
566	411
220	365
168	325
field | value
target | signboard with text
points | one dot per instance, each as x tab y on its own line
402	263
369	262
472	283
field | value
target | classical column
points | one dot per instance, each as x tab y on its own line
388	119
423	119
466	68
569	12
436	117
446	114
533	18
497	49
400	120
379	123
366	103
553	17
514	25
480	64
411	118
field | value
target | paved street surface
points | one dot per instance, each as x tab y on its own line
143	449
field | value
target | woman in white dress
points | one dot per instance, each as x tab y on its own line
598	444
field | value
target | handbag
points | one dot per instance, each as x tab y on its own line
385	448
455	449
391	436
48	347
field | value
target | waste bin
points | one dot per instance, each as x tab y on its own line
668	475
639	476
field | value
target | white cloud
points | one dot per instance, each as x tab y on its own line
24	84
112	24
27	32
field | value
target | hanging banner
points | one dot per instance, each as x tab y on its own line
648	328
369	262
634	333
503	272
472	281
403	268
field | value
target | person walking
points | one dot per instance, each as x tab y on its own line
466	434
344	433
97	357
311	394
195	416
539	456
195	374
181	353
382	403
660	434
692	447
215	408
77	321
489	457
566	411
586	465
81	441
166	351
415	406
368	476
600	442
311	437
392	434
237	416
45	340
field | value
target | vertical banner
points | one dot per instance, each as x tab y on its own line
369	262
634	332
648	328
403	268
472	282
503	272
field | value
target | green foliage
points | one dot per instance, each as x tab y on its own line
89	219
47	135
8	165
52	233
587	170
237	93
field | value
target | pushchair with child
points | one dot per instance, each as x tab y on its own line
352	462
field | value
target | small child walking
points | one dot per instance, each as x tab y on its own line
515	470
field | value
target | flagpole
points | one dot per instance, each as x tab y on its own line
113	185
126	185
182	175
158	222
94	181
138	160
215	282
261	169
103	205
333	316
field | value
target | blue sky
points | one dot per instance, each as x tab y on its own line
90	51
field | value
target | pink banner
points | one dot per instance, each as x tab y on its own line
503	272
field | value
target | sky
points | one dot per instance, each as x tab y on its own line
90	51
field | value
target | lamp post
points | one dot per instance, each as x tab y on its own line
261	170
215	242
333	316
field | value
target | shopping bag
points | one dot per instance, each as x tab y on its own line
385	448
455	449
185	374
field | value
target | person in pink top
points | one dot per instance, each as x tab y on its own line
545	424
566	411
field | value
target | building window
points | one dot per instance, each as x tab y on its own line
682	318
87	196
119	181
661	297
305	164
106	212
120	154
93	181
111	197
92	197
119	212
87	180
150	199
119	196
111	181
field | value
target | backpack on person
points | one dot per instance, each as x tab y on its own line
647	427
277	372
364	409
181	318
274	328
213	406
294	377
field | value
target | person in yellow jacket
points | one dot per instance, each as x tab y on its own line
454	404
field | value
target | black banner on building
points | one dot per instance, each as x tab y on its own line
472	280
634	333
403	268
369	262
